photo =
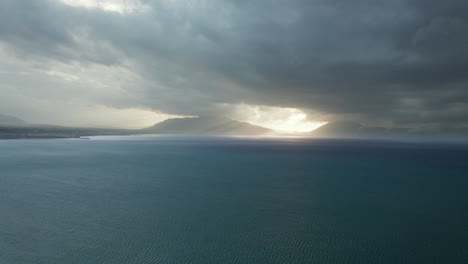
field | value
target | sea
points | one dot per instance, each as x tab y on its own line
215	200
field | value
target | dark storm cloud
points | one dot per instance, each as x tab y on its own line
402	61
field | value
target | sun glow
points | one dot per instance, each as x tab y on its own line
289	120
119	6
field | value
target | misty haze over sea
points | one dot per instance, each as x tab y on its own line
160	199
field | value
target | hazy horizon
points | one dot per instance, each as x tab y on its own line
272	127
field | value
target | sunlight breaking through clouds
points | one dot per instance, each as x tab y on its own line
280	119
119	6
188	57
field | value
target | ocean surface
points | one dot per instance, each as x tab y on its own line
232	200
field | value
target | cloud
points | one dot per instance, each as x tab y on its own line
400	63
119	6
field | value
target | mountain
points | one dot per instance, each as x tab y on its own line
11	121
357	130
205	126
338	130
347	129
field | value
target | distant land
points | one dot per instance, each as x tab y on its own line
356	130
177	126
11	121
206	126
346	129
45	131
15	128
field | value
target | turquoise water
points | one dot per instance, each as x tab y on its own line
220	200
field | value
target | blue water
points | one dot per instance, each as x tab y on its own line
220	200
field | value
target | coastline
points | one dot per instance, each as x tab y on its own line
55	132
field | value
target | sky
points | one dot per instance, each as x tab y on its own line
288	65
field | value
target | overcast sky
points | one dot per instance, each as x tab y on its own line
294	63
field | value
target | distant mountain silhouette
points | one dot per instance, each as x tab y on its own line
347	129
11	121
338	129
206	126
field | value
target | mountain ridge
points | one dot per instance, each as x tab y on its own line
206	126
11	120
347	129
